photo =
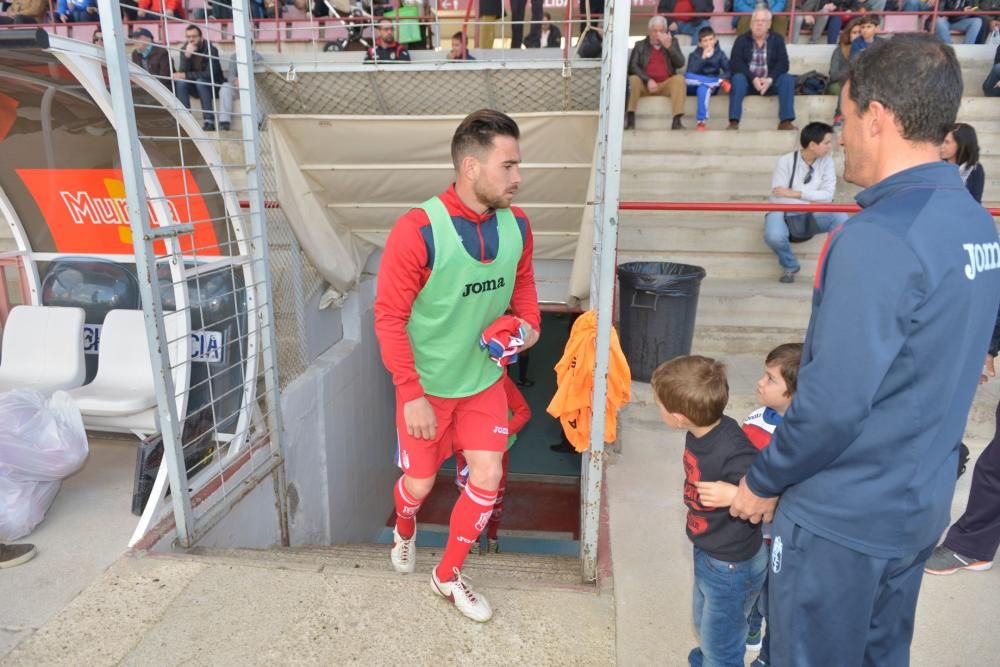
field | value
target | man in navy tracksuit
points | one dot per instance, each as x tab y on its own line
903	307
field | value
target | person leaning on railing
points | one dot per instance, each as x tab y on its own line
489	14
25	11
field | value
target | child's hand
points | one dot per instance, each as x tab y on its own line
716	494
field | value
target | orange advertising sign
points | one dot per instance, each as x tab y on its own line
87	213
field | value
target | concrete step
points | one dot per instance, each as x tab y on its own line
713	186
725	249
754	302
504	570
755	142
724	341
707	234
761	265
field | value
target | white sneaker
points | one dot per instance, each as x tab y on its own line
404	552
493	546
472	604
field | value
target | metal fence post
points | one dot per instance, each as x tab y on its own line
608	182
255	195
143	238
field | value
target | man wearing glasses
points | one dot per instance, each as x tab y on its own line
806	176
386	47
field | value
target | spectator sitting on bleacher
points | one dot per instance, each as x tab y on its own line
760	59
154	59
97	39
459	48
807	176
25	11
678	14
832	19
707	72
199	72
961	148
653	70
840	61
77	11
551	34
230	92
970	25
151	10
991	87
868	36
386	47
779	24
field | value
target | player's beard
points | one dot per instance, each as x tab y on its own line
493	200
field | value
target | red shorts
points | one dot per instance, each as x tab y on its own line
477	422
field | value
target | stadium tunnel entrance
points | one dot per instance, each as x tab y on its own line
341	183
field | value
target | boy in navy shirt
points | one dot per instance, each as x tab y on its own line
730	561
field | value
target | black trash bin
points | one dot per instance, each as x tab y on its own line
658	302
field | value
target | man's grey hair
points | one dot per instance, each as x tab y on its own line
760	9
656	20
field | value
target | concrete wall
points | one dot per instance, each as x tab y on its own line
340	435
252	523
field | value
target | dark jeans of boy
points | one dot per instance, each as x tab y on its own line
724	594
756	621
977	533
783	87
815	610
205	91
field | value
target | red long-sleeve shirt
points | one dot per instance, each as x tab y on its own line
406	266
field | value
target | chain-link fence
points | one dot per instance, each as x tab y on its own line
417	90
187	131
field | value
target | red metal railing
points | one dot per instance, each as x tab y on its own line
746	206
309	24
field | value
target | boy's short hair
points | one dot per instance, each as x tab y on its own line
868	19
814	133
460	36
705	32
787	358
693	386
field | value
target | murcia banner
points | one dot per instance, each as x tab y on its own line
87	213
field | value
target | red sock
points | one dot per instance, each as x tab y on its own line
468	519
494	526
406	510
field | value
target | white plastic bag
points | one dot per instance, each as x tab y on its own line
42	441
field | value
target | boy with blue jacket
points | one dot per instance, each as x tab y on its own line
707	72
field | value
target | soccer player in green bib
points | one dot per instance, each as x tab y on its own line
451	267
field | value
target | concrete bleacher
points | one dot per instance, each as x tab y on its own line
742	308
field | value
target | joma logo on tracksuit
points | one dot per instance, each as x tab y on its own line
484	286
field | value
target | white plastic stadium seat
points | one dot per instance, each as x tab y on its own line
43	349
122	396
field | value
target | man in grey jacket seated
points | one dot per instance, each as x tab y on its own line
806	176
